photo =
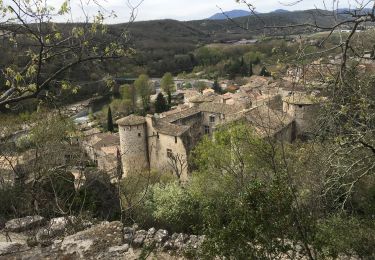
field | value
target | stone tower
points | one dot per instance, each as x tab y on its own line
304	109
133	144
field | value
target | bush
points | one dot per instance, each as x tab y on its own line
174	207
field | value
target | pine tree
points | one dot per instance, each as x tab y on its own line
110	127
160	104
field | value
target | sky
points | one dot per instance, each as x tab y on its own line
183	9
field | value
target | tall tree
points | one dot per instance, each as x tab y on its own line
129	93
142	85
167	84
216	87
264	72
160	103
251	73
110	127
243	68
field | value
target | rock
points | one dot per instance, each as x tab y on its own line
94	241
151	232
193	242
168	245
119	249
139	238
180	240
12	247
23	224
161	236
55	227
128	234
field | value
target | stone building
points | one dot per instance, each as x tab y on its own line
163	142
303	109
102	149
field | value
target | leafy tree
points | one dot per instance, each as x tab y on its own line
142	85
51	51
160	103
168	86
129	94
110	127
264	72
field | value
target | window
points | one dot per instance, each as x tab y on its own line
175	139
157	135
139	134
212	119
169	153
206	130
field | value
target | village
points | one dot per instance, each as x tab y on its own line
163	141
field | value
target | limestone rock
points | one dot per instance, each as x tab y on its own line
193	242
161	236
55	227
23	224
119	249
151	232
12	247
180	240
91	242
139	238
128	234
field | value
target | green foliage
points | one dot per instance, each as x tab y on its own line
143	87
168	86
345	235
251	72
200	85
216	87
160	104
174	207
264	72
110	126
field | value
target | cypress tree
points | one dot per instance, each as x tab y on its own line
216	87
251	73
160	104
264	72
110	127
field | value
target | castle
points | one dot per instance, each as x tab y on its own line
163	142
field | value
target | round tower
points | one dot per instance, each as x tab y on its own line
133	144
304	109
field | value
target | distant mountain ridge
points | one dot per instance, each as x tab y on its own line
231	14
240	13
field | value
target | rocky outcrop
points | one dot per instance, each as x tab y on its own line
24	224
105	240
93	241
12	247
55	227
